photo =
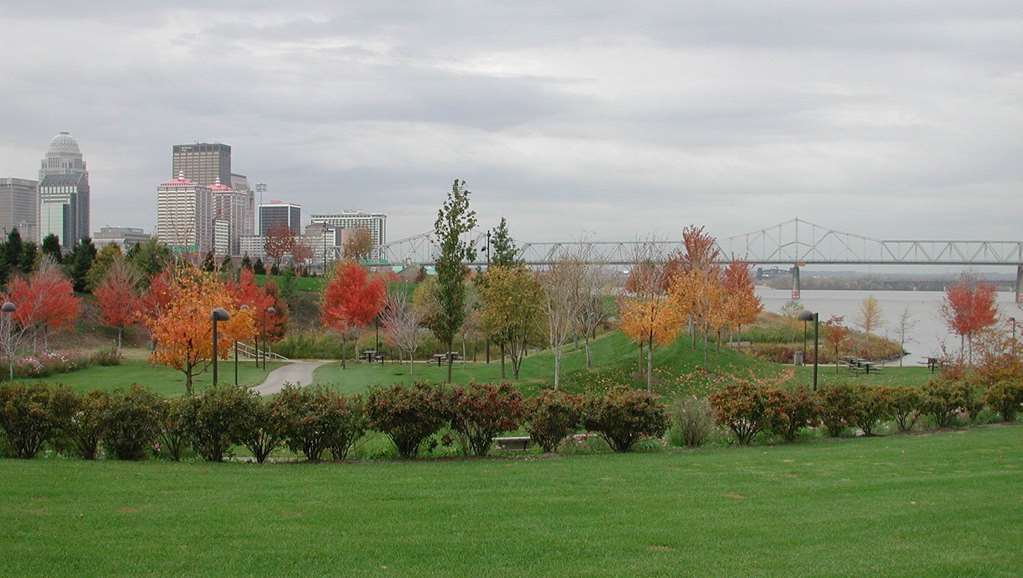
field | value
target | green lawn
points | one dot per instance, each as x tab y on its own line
945	504
160	379
678	369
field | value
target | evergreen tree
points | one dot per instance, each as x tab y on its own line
51	247
150	257
29	257
502	246
105	258
454	220
5	271
259	268
12	250
246	262
208	263
78	262
227	264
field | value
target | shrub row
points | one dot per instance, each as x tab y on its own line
310	421
748	409
46	364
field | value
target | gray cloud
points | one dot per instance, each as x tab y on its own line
571	118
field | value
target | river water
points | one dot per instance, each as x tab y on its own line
925	337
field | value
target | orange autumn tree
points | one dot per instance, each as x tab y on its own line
651	321
351	300
836	334
969	308
697	295
117	298
45	302
183	330
741	304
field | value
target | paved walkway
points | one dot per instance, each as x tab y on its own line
296	372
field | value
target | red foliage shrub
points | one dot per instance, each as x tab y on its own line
552	416
837	408
743	408
482	411
622	416
408	415
789	411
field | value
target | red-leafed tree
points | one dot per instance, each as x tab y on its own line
278	242
969	308
260	300
45	302
351	300
119	302
157	297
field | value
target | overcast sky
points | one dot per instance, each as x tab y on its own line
604	120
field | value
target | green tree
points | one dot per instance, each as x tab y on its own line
12	250
454	220
208	263
502	247
150	257
104	260
29	257
259	268
246	262
79	262
51	247
512	311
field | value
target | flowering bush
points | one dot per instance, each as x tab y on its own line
904	406
85	424
551	417
790	411
692	419
1006	397
480	412
743	408
408	415
131	423
28	417
214	419
313	420
837	408
623	416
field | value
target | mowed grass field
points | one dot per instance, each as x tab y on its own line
943	504
679	369
159	379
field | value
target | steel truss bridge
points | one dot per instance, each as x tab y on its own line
793	243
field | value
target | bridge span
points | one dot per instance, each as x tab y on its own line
794	243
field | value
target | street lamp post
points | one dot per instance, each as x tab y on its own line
8	310
1012	321
216	315
243	308
815	317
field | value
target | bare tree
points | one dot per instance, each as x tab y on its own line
903	328
401	322
593	310
562	288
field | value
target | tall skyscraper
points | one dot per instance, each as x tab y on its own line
240	183
376	223
276	213
64	192
230	210
184	215
19	207
202	163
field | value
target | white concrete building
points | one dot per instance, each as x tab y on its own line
184	216
376	223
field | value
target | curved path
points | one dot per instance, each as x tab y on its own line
297	372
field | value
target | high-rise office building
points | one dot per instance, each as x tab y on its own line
279	213
240	183
231	207
64	192
19	207
184	215
202	163
375	223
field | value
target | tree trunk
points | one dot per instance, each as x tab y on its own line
650	365
451	360
589	354
344	347
557	367
119	330
502	362
705	330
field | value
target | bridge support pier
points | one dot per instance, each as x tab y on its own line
795	283
1019	284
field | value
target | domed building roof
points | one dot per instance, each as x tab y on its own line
63	144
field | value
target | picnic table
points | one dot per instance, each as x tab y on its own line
442	357
857	365
933	363
368	355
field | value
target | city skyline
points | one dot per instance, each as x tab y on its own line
891	121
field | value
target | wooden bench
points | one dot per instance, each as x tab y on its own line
514	443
